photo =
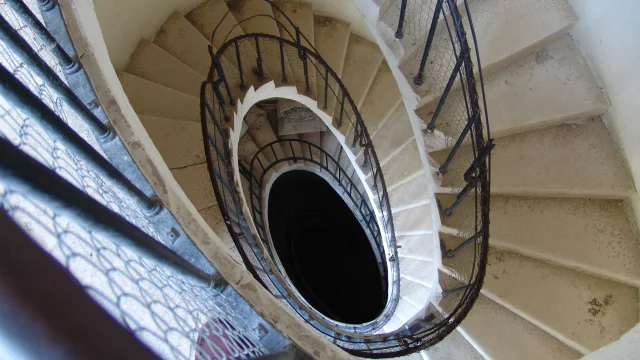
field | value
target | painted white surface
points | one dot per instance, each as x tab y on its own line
607	33
627	348
125	22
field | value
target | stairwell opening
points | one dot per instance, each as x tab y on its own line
324	249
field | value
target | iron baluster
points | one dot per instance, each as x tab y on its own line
451	253
16	43
282	64
456	290
221	77
455	148
445	93
419	78
22	98
260	71
399	30
341	110
239	60
69	64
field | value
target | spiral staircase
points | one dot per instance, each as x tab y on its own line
562	268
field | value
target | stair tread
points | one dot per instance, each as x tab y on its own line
589	235
570	160
149	98
152	63
416	245
454	347
551	86
361	63
509	30
331	39
414	192
583	311
405	164
179	142
393	134
251	11
301	14
490	325
416	220
196	183
419	271
381	100
208	15
179	38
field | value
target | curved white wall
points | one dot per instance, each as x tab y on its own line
125	22
607	32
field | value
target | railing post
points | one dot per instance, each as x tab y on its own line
445	93
305	66
403	9
221	75
237	46
282	63
419	78
69	64
260	71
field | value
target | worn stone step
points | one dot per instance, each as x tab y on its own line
196	183
582	311
570	160
413	192
393	135
499	334
454	347
403	166
588	235
179	142
554	85
331	39
248	15
205	18
508	30
301	14
413	221
152	63
149	98
381	100
421	246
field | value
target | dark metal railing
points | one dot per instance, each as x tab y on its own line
448	55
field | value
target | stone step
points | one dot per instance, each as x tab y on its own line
205	18
260	131
381	100
196	183
405	165
393	135
179	38
509	30
417	271
554	85
179	142
309	151
499	334
416	246
570	160
252	11
152	63
415	293
301	14
331	39
413	192
414	221
582	311
149	98
453	347
587	235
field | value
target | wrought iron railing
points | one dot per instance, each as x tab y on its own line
255	59
68	185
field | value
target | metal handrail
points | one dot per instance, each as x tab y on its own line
215	112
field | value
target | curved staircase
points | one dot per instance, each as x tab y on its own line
564	262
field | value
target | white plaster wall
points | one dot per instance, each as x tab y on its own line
125	22
607	32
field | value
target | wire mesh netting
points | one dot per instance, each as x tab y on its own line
178	318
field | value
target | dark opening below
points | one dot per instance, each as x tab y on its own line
324	249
